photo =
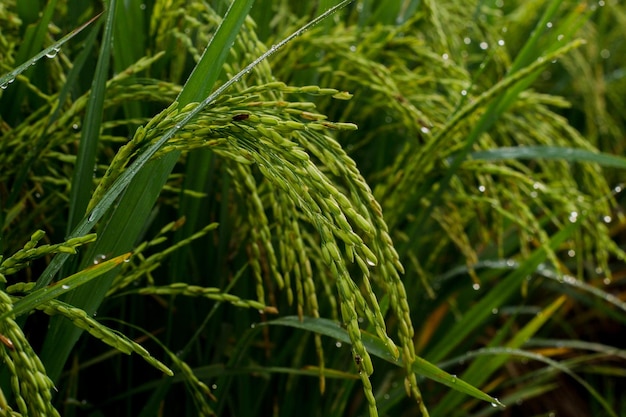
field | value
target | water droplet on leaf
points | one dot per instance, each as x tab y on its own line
99	258
52	53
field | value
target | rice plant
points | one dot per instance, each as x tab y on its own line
325	208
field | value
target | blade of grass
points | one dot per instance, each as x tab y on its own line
82	180
377	347
34	299
551	152
130	24
8	78
33	41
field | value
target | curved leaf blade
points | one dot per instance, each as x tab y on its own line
40	296
550	152
377	347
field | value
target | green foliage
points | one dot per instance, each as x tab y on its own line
394	208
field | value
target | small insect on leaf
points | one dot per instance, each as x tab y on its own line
6	342
358	360
239	117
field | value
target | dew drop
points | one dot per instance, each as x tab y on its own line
445	56
483	45
424	129
571	253
481	188
253	325
92	216
178	126
214	386
605	54
142	6
338	344
573	217
352	48
370	262
463	92
607	219
65	287
494	311
476	286
52	53
501	42
494	405
549	25
467	40
99	258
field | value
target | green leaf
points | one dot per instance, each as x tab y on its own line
8	78
34	299
550	152
82	180
377	347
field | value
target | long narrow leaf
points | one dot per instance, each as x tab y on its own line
7	79
34	299
377	347
82	181
551	152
